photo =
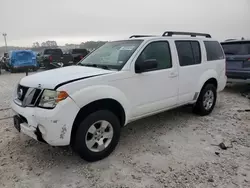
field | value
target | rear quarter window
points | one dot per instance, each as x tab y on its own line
213	50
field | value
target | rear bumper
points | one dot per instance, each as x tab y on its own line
222	81
51	65
242	75
242	81
25	67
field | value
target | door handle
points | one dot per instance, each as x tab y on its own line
173	74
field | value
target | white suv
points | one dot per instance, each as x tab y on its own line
86	105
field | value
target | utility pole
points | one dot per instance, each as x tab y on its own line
6	48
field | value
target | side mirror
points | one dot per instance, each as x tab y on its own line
142	66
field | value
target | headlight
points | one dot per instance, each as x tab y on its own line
14	96
50	98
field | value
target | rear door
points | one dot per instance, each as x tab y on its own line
190	69
237	57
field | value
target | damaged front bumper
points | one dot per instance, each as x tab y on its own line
20	124
52	126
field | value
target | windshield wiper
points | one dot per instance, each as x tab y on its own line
97	66
104	67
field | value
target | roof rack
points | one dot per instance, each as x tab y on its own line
171	33
230	40
139	36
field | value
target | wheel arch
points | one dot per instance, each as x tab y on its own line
209	76
101	104
211	81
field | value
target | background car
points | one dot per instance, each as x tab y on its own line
20	60
53	58
237	60
78	54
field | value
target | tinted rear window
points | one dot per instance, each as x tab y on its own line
196	51
214	50
53	51
236	48
189	52
79	51
23	55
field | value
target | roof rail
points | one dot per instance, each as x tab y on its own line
230	40
171	33
139	36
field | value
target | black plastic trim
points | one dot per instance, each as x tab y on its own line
39	136
139	36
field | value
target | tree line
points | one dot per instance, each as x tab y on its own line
87	45
49	43
36	46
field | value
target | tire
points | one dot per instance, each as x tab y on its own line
46	65
6	68
200	108
83	135
12	70
34	69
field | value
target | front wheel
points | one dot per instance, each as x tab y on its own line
97	135
206	101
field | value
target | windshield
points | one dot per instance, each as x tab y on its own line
236	48
112	55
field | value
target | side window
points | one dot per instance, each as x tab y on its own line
160	51
196	51
189	52
214	51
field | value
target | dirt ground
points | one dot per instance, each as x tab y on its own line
172	149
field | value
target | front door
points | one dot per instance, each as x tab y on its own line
156	89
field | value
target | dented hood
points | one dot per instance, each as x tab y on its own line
52	79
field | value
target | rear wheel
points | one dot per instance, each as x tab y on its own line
206	101
47	65
97	135
12	70
34	69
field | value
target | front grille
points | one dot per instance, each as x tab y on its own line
35	96
27	96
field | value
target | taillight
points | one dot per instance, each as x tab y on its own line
248	59
50	58
81	57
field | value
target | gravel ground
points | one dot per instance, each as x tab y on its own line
172	149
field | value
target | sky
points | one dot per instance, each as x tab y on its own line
76	21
